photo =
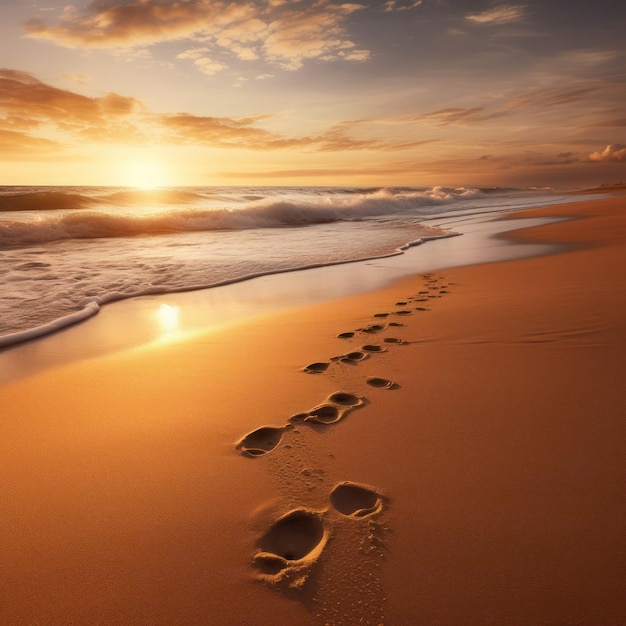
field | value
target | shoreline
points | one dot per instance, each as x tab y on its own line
495	458
94	306
140	320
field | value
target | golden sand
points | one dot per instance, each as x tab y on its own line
454	455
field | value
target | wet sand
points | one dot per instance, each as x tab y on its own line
447	450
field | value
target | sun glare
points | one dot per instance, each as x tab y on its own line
168	320
144	175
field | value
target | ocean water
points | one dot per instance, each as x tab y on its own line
66	251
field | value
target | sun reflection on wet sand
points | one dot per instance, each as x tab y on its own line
168	319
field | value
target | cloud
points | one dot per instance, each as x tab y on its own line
116	23
393	5
498	15
612	153
340	137
224	132
614	123
28	106
26	103
284	33
446	117
14	144
244	133
23	94
315	32
554	96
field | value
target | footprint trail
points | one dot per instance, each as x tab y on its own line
325	543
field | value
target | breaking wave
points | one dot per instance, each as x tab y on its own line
270	212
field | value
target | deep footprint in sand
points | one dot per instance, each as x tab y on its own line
322	414
381	314
336	406
262	440
370	347
352	357
286	553
381	383
403	312
373	328
316	368
347	335
343	398
394	340
354	500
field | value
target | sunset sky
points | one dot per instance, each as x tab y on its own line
276	92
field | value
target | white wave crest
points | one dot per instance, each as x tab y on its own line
270	212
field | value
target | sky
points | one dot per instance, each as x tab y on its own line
312	92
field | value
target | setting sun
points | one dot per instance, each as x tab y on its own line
144	175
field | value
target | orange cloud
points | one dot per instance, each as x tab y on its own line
23	94
28	105
223	132
556	96
504	14
14	144
242	133
612	153
445	117
284	33
393	5
113	23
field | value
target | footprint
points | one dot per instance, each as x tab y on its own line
370	347
352	357
262	440
396	324
393	340
403	312
316	368
332	410
401	303
381	314
286	553
421	308
354	500
381	383
344	399
322	414
373	328
347	335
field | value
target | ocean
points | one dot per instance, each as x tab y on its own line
66	251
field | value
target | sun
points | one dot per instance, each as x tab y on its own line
144	174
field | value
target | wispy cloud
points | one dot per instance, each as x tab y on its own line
284	33
555	96
498	15
28	107
610	123
23	94
465	117
394	5
15	144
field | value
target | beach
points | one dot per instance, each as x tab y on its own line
456	457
